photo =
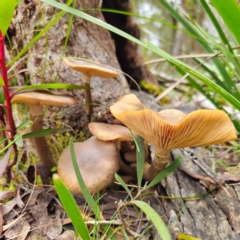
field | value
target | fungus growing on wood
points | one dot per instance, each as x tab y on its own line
36	101
97	161
120	135
89	69
171	129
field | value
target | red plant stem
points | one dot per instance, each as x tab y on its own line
8	107
7	96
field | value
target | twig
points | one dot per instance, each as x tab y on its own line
125	226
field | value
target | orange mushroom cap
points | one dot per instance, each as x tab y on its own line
171	128
108	132
89	68
46	98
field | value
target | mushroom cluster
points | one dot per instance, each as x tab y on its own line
169	129
98	158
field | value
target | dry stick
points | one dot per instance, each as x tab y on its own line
201	55
125	226
166	91
202	165
8	106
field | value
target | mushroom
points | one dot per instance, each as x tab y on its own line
171	129
120	135
97	161
89	69
36	100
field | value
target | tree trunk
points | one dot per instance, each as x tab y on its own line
44	62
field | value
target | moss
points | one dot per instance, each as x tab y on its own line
9	187
60	141
150	88
154	90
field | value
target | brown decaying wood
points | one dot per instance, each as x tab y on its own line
214	216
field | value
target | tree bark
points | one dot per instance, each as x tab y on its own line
127	52
44	62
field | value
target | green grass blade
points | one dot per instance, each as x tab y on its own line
52	86
123	184
205	45
140	158
93	205
213	86
45	132
163	174
24	124
155	219
216	24
71	208
230	14
45	29
16	138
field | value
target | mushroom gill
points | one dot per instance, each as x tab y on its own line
170	128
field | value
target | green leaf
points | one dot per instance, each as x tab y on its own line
71	208
3	140
155	219
2	98
1	82
163	174
24	124
123	184
93	205
182	236
6	13
18	138
230	14
11	143
45	132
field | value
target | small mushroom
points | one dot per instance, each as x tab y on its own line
89	69
97	161
171	129
117	134
36	100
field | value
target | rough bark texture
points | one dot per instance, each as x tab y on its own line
127	52
86	40
214	216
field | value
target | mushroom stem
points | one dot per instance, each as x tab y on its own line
87	94
41	145
159	163
124	168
